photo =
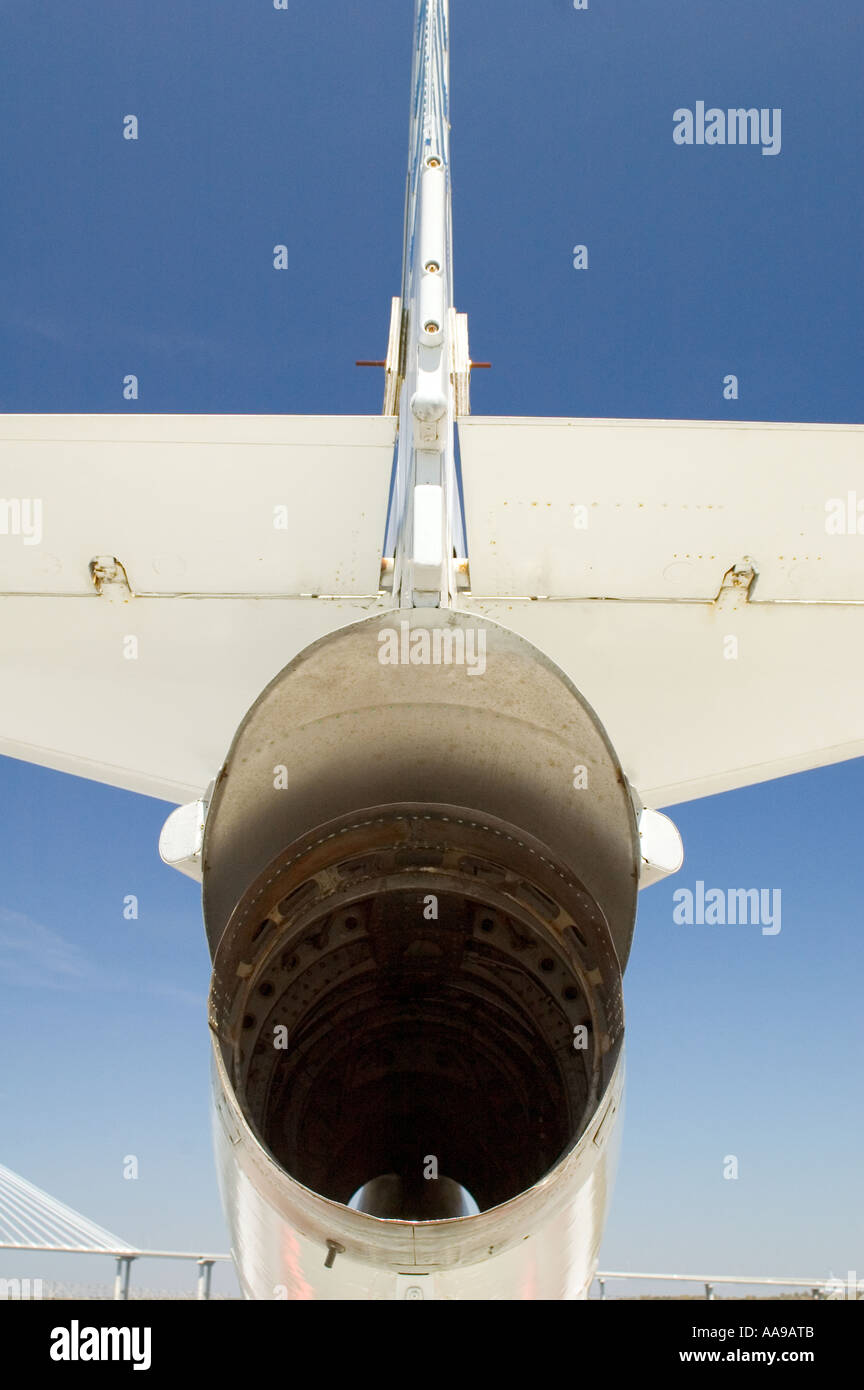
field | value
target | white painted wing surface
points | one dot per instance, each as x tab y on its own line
609	543
224	587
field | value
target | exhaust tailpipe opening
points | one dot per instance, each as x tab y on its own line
419	1010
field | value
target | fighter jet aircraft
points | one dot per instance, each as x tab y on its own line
418	755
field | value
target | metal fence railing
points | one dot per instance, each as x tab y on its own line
125	1259
849	1288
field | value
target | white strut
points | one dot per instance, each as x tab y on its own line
425	509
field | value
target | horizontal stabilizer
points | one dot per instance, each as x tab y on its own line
701	583
195	504
225	529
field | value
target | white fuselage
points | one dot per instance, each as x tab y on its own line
541	1245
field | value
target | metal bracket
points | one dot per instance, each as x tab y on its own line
460	363
394	366
109	579
738	583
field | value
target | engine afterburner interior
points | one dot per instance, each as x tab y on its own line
426	1009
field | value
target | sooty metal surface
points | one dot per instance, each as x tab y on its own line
418	991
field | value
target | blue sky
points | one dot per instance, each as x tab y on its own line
260	127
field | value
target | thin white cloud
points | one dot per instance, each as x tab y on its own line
35	956
31	954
